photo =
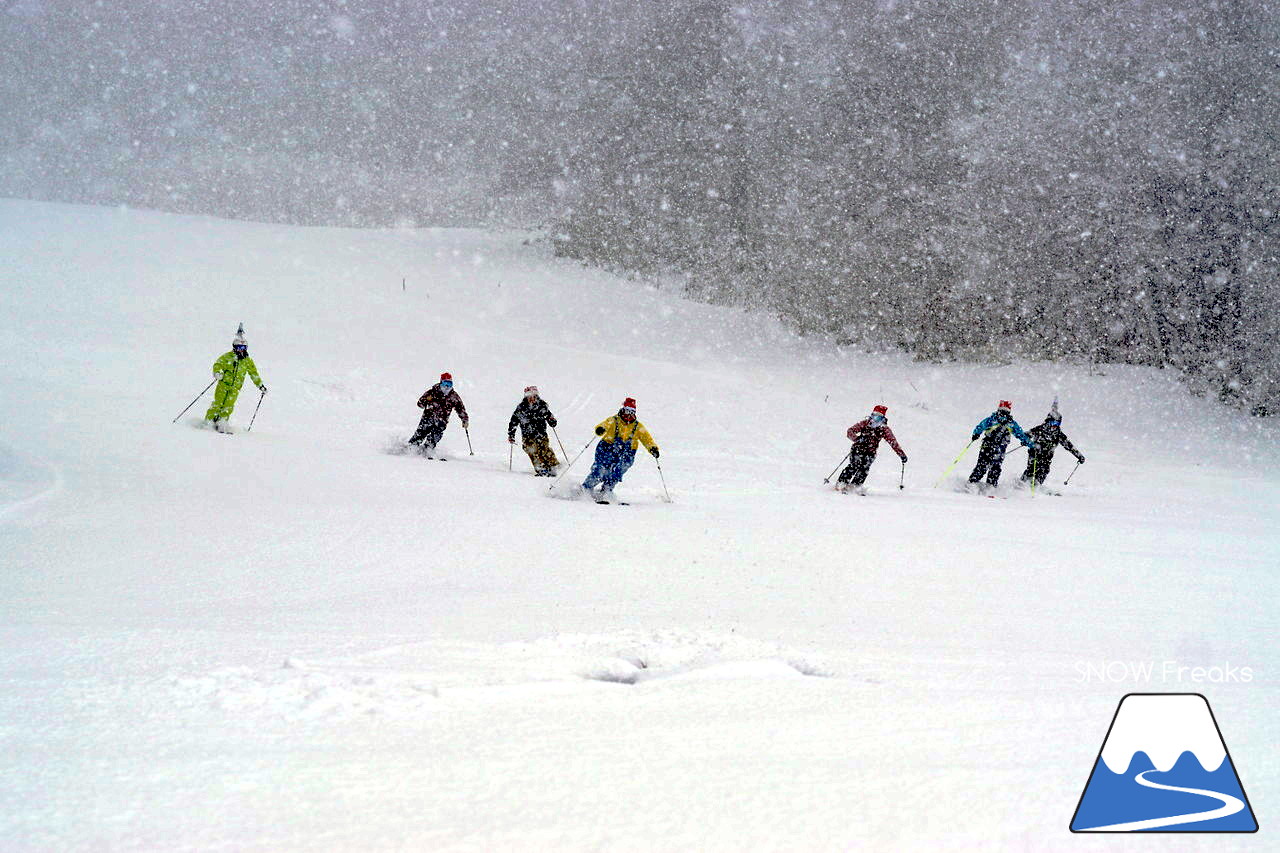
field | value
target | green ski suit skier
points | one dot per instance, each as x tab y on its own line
231	369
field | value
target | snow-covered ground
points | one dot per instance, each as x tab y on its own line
293	640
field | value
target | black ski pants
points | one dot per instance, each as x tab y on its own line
1037	466
857	469
990	462
429	432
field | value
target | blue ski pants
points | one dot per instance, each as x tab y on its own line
613	458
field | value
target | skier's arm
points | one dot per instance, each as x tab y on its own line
604	425
852	434
253	372
982	427
462	411
1071	448
511	424
222	365
893	442
1022	436
422	401
647	440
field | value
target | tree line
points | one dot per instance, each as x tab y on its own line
1081	180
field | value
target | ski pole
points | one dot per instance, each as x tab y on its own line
662	478
827	479
570	465
261	397
903	476
468	432
955	463
1072	474
198	396
559	442
511	455
1033	475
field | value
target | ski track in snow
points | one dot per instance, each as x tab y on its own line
25	481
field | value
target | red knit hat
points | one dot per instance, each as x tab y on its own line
629	403
1004	404
446	377
881	410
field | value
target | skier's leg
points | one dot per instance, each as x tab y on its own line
1042	468
544	457
603	459
435	431
622	463
847	474
993	470
862	467
215	408
547	454
224	402
423	423
984	460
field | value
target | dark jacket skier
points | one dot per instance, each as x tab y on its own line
436	404
533	416
1047	437
866	436
996	430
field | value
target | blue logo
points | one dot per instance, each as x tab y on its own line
1164	767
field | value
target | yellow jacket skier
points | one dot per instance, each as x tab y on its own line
230	369
620	436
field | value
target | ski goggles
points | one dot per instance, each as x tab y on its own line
240	349
876	419
446	385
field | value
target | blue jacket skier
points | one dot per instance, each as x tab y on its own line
996	430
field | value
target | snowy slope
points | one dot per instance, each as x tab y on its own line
292	640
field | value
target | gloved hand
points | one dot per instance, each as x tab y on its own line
1032	447
1081	458
511	439
552	422
975	436
903	457
654	452
466	424
262	388
599	430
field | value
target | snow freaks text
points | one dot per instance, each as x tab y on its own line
1163	672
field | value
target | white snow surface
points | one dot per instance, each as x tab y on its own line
290	639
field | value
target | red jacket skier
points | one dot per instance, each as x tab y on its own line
866	436
437	403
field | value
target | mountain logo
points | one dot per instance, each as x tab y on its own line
1164	767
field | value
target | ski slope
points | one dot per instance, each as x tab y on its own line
292	640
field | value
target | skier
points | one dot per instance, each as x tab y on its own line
866	435
436	404
533	415
620	435
995	431
230	369
1047	437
